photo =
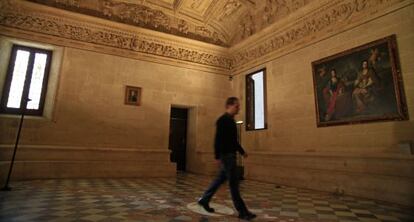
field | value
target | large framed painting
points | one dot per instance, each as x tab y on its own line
363	84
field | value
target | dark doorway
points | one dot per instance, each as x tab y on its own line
178	137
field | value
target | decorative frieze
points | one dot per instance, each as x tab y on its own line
265	14
315	23
140	15
321	20
138	42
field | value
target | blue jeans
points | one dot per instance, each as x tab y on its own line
228	171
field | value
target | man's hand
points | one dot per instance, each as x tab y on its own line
245	155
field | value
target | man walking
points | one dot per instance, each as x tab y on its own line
225	147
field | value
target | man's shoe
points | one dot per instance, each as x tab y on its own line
205	206
247	216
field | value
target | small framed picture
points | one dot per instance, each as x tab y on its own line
133	95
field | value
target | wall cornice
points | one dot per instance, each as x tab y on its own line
316	24
312	24
21	16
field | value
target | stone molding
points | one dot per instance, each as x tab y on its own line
143	149
282	37
354	155
141	15
333	17
82	153
18	15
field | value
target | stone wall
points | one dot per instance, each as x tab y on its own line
93	134
363	159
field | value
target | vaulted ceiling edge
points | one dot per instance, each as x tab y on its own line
140	15
18	14
328	20
281	37
220	22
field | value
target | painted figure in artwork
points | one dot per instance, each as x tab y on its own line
364	93
330	94
336	97
133	96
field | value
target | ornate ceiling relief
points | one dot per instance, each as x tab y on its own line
23	19
220	22
318	20
333	16
143	15
264	14
229	8
196	3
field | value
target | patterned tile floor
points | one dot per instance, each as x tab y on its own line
166	199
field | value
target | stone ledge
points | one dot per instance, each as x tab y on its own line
48	161
396	156
368	186
355	164
25	170
65	147
74	153
369	175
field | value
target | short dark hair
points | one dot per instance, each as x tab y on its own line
231	101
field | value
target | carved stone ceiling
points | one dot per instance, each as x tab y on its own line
221	22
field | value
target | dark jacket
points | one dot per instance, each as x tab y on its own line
226	137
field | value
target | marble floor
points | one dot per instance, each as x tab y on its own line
172	199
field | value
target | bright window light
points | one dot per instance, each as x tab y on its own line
26	78
259	116
35	90
18	78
